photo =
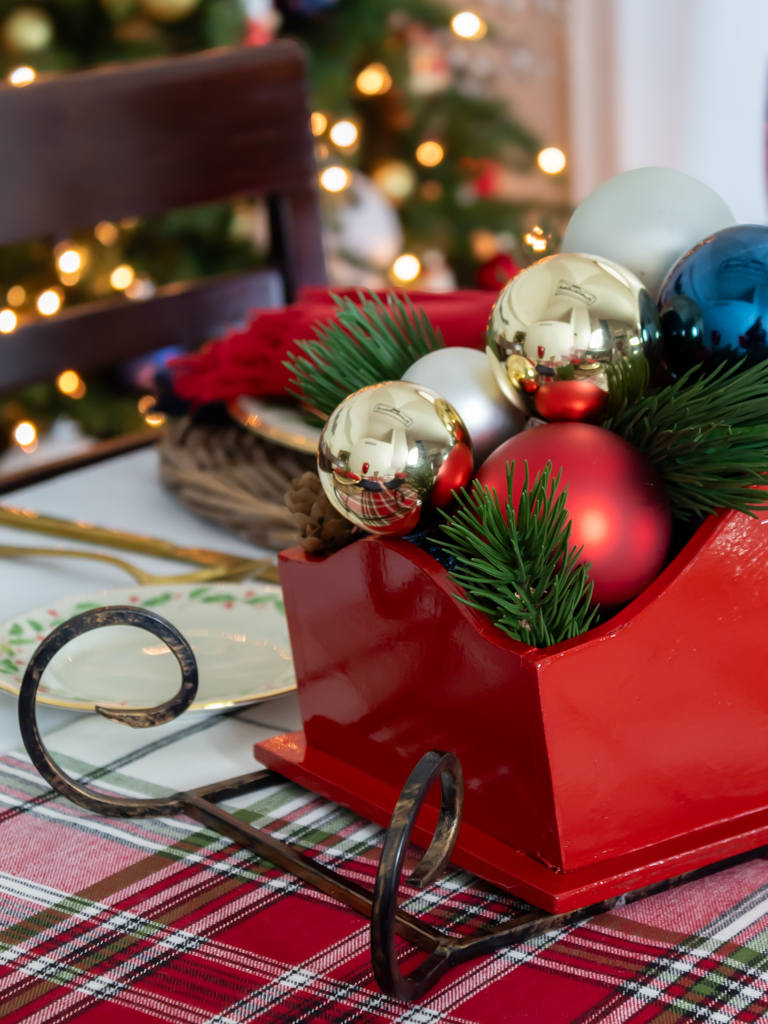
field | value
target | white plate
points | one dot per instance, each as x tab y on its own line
283	424
237	631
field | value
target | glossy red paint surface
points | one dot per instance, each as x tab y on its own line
618	505
623	755
577	401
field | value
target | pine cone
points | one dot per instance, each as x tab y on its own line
321	528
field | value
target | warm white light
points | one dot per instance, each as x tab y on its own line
429	154
551	160
8	321
318	122
70	261
155	419
374	80
334	179
25	434
16	295
22	76
122	277
48	302
536	240
468	25
406	267
71	383
106	232
344	134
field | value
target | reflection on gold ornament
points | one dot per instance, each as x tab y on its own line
396	179
27	29
391	455
565	318
169	10
521	372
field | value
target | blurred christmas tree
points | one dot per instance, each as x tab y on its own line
410	146
397	100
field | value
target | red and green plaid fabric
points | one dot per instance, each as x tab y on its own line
161	920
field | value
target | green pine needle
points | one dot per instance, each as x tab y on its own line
707	436
628	381
521	571
367	343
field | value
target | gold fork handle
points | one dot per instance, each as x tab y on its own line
23	552
210	574
87	532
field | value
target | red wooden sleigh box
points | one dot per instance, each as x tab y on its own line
632	753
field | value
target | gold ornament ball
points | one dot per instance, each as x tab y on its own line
169	10
390	455
566	318
28	29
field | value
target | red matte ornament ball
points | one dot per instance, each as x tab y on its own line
619	507
578	401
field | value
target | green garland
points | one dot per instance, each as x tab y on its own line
706	434
518	567
368	342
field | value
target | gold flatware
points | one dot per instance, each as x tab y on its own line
211	574
220	565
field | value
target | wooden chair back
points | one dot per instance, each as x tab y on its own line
144	139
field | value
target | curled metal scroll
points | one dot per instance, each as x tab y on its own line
433	766
138	718
387	919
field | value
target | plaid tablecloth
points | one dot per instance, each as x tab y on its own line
162	920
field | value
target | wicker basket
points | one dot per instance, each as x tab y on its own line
226	474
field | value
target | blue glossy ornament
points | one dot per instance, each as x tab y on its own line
714	302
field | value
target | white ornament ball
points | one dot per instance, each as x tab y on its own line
464	379
362	234
646	220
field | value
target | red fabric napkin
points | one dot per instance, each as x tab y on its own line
250	362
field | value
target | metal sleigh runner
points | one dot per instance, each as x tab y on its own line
381	904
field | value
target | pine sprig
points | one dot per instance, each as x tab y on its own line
367	343
521	570
707	436
628	381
